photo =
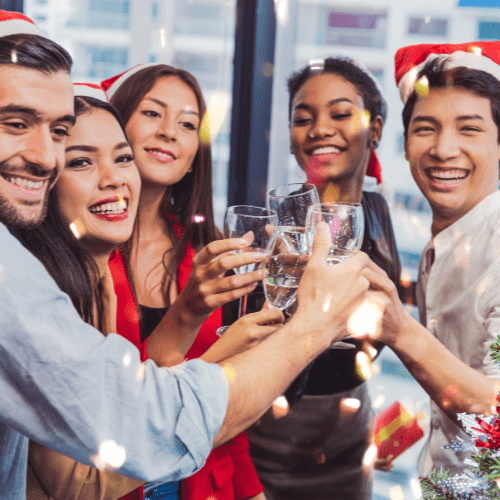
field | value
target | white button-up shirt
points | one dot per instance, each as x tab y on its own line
458	297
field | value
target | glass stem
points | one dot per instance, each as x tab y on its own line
242	309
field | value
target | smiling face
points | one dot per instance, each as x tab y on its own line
330	130
36	113
163	132
98	190
452	146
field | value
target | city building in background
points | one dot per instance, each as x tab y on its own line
105	37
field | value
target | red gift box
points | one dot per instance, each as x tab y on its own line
396	429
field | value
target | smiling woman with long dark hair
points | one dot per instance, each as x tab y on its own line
337	114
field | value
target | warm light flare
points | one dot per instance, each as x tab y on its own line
127	359
229	372
366	318
365	118
396	493
281	10
363	365
349	405
77	228
370	457
422	86
280	407
217	108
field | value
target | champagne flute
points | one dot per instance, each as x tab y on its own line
291	202
285	269
238	221
346	222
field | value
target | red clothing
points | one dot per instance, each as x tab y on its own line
127	322
229	473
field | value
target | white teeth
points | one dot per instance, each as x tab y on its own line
448	174
24	183
161	154
326	150
110	208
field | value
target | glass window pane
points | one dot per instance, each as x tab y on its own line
105	37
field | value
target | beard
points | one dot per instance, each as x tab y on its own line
28	218
27	214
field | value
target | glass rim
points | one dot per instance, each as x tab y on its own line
270	211
312	188
318	207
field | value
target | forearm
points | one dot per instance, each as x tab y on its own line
451	384
261	374
174	335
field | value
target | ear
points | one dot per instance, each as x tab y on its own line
376	127
406	147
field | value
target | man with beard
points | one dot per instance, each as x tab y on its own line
65	386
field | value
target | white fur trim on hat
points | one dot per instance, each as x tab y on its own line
127	75
19	26
85	90
454	60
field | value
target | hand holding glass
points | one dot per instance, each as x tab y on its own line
239	221
346	222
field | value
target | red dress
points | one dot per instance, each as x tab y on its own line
127	323
229	473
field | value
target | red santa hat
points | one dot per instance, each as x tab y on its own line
15	23
90	90
484	56
112	84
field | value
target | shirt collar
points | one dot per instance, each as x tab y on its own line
470	220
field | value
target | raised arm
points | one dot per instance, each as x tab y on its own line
206	290
454	386
326	296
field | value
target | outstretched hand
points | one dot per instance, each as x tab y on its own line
327	295
245	333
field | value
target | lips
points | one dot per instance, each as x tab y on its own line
112	209
163	155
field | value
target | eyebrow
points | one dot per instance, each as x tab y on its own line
432	119
93	149
164	105
330	103
27	110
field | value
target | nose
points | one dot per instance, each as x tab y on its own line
446	144
111	176
322	127
166	129
40	149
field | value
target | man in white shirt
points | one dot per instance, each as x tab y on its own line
452	142
66	386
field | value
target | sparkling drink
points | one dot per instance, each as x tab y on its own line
294	237
280	289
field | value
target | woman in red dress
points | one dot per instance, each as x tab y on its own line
163	110
91	210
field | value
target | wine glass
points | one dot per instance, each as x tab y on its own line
291	202
238	221
285	270
346	222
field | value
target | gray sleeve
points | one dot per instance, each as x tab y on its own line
67	387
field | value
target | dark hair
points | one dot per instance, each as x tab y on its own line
476	81
35	52
54	244
373	100
190	196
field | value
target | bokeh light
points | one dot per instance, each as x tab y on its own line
366	318
422	86
109	456
77	228
280	407
363	365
